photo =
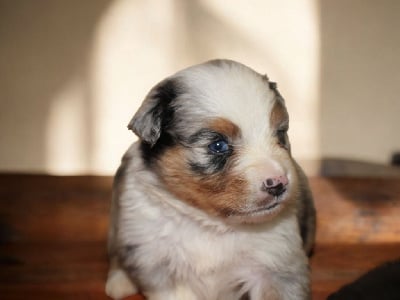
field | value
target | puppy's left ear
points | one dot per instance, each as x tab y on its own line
274	86
155	113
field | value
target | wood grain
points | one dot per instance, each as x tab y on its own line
357	210
53	233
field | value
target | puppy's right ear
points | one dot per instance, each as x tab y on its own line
155	113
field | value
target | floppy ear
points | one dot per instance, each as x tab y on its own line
274	86
155	112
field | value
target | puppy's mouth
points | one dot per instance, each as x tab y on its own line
274	204
265	208
270	207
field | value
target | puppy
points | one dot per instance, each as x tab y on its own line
209	204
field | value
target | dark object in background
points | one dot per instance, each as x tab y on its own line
382	283
396	159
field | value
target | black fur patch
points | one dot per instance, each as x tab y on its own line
283	139
216	163
165	95
273	85
151	153
164	111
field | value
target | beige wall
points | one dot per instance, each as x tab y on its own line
45	46
73	72
360	79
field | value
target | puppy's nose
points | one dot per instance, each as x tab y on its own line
275	186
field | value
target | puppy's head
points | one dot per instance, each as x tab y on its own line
216	134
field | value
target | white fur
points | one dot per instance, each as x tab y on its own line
119	285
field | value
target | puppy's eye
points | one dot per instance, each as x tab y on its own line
219	147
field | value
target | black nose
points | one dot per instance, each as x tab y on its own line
275	190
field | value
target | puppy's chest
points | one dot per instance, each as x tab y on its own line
186	247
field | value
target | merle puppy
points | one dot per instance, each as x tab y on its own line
209	203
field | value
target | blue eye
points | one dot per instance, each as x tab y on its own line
219	146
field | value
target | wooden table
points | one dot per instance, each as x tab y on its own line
53	233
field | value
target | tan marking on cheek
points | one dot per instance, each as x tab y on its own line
278	115
225	127
216	194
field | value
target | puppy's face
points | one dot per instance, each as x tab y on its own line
216	134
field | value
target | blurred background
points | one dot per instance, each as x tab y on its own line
72	73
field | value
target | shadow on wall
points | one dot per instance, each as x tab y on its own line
45	59
43	45
360	76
